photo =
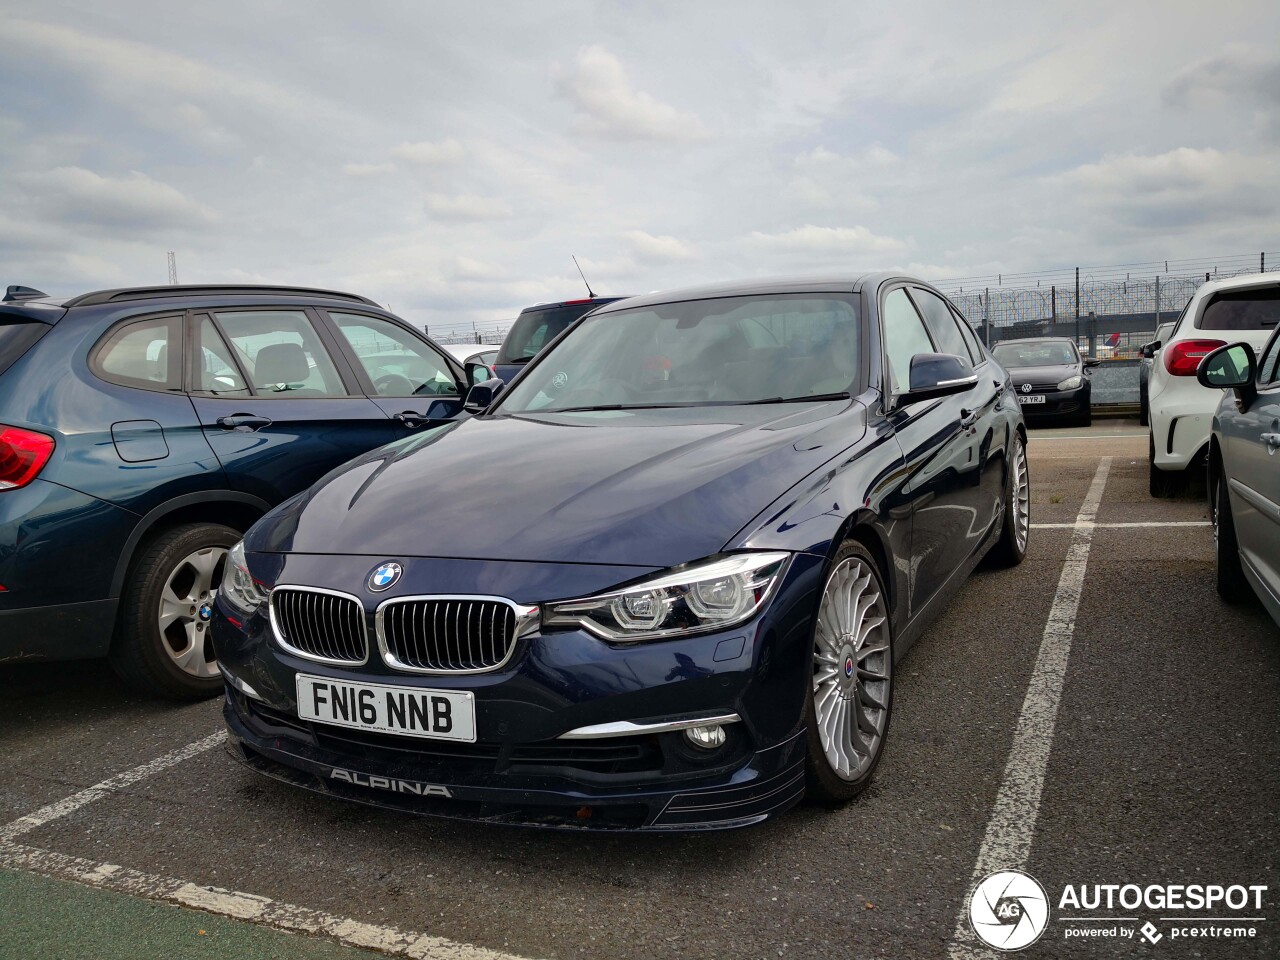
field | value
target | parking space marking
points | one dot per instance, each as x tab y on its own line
242	906
1036	438
1119	526
71	804
1007	842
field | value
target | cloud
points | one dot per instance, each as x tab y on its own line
368	169
136	203
598	86
1238	71
664	249
466	207
811	239
431	154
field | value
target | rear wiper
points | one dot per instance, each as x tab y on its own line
842	395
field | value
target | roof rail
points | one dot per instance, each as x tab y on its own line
15	292
212	290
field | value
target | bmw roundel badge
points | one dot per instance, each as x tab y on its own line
384	577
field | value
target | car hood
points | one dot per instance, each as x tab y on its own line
1053	373
646	488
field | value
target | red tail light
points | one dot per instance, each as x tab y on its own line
23	454
1183	357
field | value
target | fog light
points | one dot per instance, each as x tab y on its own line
708	737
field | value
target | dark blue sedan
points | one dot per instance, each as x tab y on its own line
661	583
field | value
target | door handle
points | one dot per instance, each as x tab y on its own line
410	419
244	422
968	418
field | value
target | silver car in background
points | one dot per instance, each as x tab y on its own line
1244	471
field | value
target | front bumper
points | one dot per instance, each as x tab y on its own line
520	770
1058	404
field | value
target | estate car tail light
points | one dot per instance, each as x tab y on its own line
23	454
1183	357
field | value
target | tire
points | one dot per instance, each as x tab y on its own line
173	576
1144	409
836	771
1228	572
1015	532
1085	419
1161	483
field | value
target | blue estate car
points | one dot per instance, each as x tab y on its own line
678	561
143	430
535	328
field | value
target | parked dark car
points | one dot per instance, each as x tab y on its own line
1053	381
143	430
536	327
1244	484
674	596
1145	359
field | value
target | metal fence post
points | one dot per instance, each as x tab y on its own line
1077	307
986	316
1157	299
1053	299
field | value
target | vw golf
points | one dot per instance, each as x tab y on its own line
660	583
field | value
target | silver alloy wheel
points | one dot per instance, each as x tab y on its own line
852	669
186	604
1021	495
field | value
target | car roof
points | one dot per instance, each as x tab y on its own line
130	294
577	301
1036	340
1242	282
845	283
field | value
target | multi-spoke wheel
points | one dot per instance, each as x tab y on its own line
851	690
1014	535
162	643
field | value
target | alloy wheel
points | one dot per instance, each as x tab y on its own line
852	669
186	606
1021	495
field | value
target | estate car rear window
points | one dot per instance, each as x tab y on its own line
699	353
534	329
16	338
1242	310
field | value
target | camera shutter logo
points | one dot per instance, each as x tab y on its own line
1009	910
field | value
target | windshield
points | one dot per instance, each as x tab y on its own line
534	329
701	352
1036	354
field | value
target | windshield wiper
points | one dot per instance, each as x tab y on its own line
842	395
611	406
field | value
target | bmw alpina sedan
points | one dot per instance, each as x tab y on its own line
660	583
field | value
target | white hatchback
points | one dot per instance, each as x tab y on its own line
1239	310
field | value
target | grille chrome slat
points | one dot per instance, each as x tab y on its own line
450	634
321	625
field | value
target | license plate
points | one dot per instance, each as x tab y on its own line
382	708
1034	398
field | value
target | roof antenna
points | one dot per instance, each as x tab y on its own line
590	292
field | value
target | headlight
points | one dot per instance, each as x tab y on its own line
707	596
239	589
1071	382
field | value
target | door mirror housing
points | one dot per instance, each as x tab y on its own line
481	396
1148	350
938	375
477	373
1233	367
1093	361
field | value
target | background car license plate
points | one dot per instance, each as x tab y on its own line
1036	398
381	708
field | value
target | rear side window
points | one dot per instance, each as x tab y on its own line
281	353
16	339
1242	310
534	329
143	353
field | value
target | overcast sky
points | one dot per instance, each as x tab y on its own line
446	159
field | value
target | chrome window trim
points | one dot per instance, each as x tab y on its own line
528	619
627	728
315	658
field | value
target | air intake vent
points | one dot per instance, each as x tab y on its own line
449	634
320	625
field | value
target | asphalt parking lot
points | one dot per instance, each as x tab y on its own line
1152	756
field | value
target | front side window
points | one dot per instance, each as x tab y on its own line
904	337
942	325
215	371
281	353
1267	365
397	363
145	353
699	353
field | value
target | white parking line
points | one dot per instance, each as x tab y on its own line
226	903
1119	526
1038	438
1010	829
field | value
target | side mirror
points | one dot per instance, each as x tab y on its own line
1148	350
1232	367
938	375
481	396
1093	361
477	373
